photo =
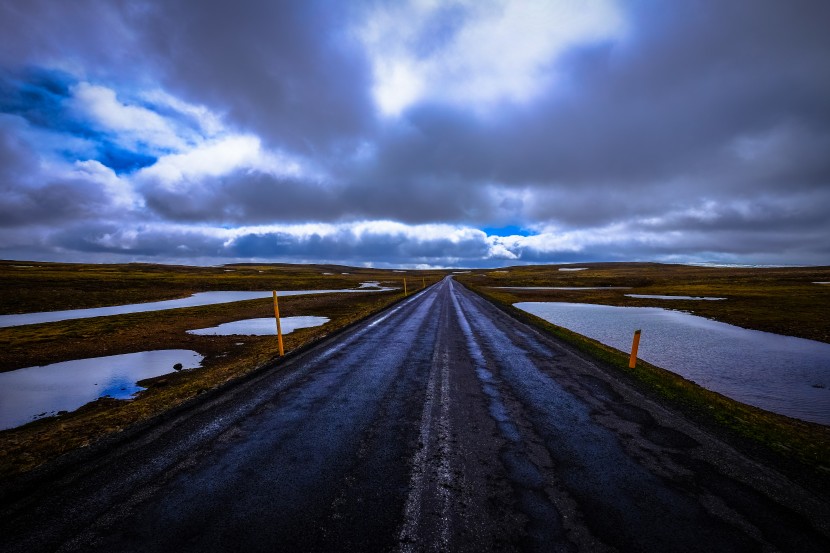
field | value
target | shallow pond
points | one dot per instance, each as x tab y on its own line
34	392
562	287
260	327
783	374
659	297
196	300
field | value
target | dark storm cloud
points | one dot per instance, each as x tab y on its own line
248	197
289	71
110	240
53	202
694	80
28	198
244	197
377	248
346	247
97	34
666	113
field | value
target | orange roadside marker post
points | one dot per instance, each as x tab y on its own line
404	287
279	328
423	283
634	346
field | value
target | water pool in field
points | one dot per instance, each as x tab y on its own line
660	297
562	287
260	327
196	300
783	374
35	392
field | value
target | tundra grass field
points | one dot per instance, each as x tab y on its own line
784	300
32	287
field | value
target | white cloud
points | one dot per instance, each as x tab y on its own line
120	190
418	233
210	124
550	242
189	140
220	157
133	127
378	243
214	158
359	230
498	50
399	83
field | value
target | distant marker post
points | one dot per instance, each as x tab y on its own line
404	287
423	283
279	328
634	346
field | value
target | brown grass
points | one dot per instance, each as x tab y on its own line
781	300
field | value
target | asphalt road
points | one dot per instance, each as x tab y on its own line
439	425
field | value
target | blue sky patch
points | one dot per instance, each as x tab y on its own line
121	160
509	230
39	96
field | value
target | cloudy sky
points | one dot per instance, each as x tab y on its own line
415	133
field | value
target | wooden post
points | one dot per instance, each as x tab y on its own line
404	287
423	283
636	344
279	328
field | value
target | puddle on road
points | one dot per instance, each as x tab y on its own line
196	300
783	374
659	297
35	392
266	326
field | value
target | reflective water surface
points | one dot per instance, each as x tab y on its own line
260	327
783	374
562	287
196	300
34	392
659	297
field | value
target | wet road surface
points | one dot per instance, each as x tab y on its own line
438	425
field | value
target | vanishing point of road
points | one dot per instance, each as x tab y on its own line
441	424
